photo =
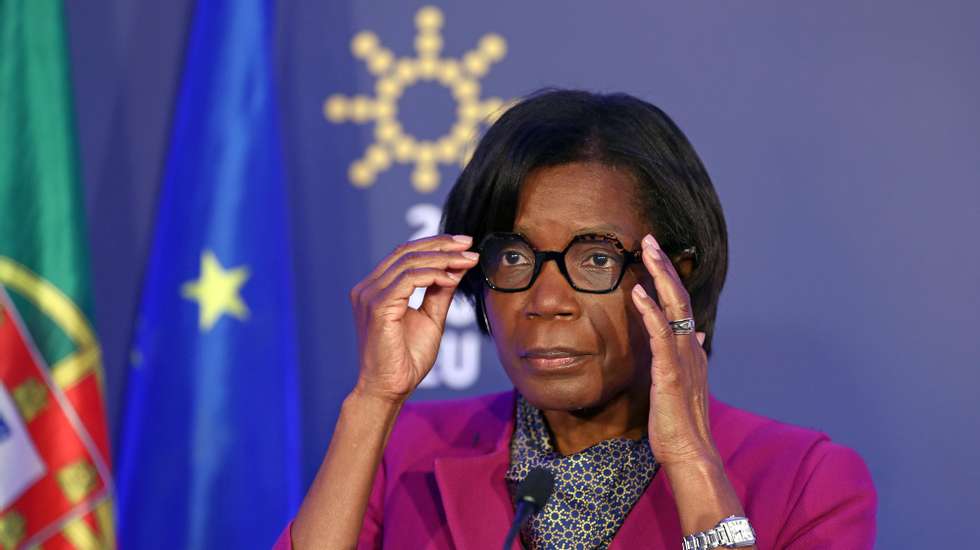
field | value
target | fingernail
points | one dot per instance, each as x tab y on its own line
469	255
700	336
454	276
638	290
463	239
651	242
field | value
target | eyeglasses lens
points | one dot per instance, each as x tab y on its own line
507	262
594	265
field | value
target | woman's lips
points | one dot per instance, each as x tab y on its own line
553	359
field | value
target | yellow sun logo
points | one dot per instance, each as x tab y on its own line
460	76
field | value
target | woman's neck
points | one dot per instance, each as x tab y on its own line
625	416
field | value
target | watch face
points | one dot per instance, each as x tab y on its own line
740	530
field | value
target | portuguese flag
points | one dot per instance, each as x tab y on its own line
55	481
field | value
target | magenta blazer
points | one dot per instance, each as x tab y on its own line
441	483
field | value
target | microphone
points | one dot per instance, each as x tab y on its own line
532	495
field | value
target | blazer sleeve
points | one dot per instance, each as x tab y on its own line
836	503
370	537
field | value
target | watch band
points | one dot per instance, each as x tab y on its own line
731	532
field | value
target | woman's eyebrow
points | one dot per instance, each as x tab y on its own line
603	228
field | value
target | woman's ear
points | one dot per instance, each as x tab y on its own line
684	262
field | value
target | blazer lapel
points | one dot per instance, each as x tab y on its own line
653	522
472	486
475	498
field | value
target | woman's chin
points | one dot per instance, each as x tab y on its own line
563	395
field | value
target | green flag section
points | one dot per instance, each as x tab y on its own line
55	479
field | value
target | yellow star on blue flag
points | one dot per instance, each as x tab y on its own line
217	291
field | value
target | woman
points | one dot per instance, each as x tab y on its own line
590	239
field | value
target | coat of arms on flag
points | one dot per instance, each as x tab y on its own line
55	484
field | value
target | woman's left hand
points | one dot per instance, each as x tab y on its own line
678	425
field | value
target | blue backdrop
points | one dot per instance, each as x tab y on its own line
842	138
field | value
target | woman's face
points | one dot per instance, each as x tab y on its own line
564	349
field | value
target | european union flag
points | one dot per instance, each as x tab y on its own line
208	452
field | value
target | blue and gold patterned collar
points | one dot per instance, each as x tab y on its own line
594	488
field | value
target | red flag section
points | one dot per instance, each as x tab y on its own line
54	487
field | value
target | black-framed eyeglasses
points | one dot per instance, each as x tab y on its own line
593	263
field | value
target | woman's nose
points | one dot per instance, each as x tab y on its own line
551	296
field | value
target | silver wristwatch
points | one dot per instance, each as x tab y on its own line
731	532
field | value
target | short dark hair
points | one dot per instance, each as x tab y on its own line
553	127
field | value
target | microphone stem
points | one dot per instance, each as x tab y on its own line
524	510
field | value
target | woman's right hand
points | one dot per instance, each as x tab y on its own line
398	344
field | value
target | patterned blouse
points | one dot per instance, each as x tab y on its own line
594	488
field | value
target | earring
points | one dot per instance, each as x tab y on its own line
486	320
